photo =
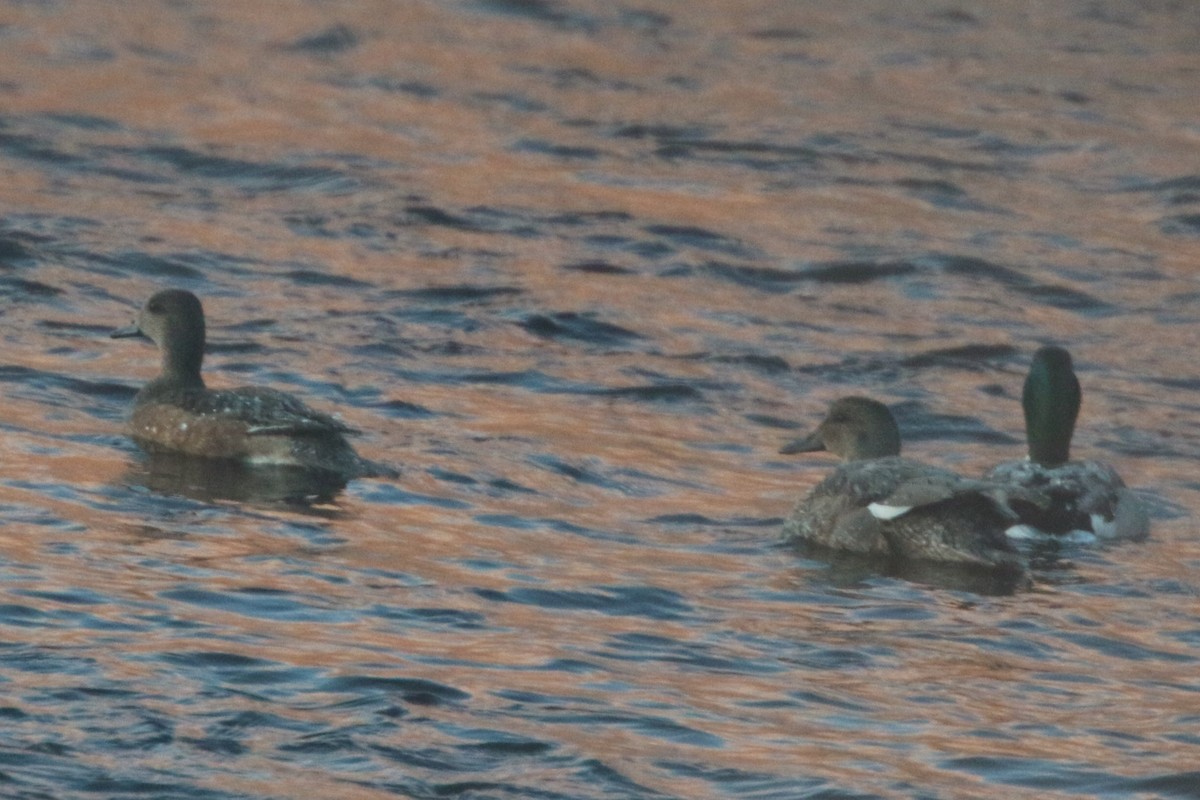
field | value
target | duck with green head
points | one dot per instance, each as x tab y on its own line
1086	497
877	503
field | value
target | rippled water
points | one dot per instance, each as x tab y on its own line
579	268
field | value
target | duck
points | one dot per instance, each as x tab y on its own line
176	413
877	503
1088	499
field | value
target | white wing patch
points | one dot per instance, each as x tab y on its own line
1024	532
1028	533
886	512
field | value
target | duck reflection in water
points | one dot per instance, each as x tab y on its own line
1088	499
880	505
215	480
285	441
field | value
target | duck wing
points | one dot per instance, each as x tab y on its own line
1084	496
838	514
265	412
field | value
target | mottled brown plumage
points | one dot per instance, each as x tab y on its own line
878	503
175	412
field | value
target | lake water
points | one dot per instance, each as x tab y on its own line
578	269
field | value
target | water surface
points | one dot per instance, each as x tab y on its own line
578	269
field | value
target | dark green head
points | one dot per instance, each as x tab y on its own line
855	428
1051	402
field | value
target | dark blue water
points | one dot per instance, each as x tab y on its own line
578	270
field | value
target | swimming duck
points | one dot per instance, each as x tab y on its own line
175	412
877	503
1087	498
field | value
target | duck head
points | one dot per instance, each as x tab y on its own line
855	428
1051	403
174	320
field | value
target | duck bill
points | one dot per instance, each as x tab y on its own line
807	444
126	332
